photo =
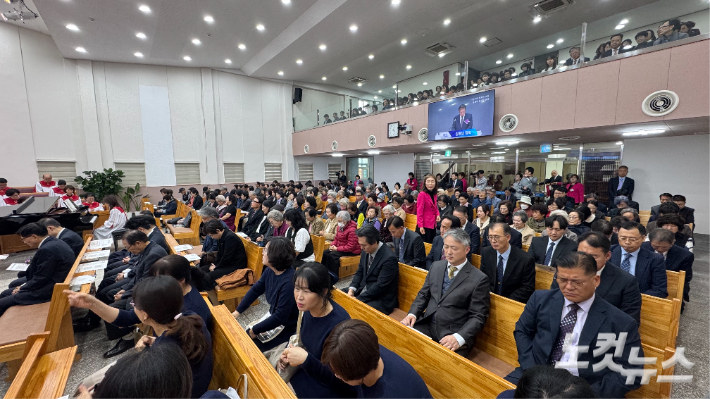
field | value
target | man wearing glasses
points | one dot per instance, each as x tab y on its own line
669	31
510	270
574	312
648	267
546	250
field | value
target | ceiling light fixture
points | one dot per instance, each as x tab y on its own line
409	67
439	147
371	56
260	27
373	152
396	2
619	143
425	83
644	132
359	84
208	19
299	62
497	152
281	73
624	21
145	9
324	78
138	54
337	155
345	68
80	49
560	40
394	87
499	62
353	28
187	58
629	47
322	47
141	35
550	45
620	26
507	142
441	55
447	22
228	61
73	27
286	1
375	97
379	91
483	39
404	41
382	76
510	55
241	46
196	42
537	19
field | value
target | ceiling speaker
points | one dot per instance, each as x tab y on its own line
334	145
306	149
508	123
660	103
372	141
423	135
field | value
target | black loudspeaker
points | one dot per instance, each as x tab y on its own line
297	94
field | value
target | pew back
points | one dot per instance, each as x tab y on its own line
496	338
543	277
659	321
318	247
411	222
654	389
676	284
427	248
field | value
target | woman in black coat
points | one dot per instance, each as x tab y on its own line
231	254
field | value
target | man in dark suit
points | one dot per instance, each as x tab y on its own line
574	59
146	224
575	311
452	305
474	233
255	216
618	183
462	121
677	258
510	270
664	198
436	252
616	286
377	276
642	40
546	250
361	203
408	245
516	238
50	265
615	43
648	267
55	229
456	182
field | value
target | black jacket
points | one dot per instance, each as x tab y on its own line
197	203
650	271
252	224
474	233
437	247
231	254
157	237
538	249
73	240
377	286
516	239
261	229
50	265
678	259
151	254
613	188
519	276
414	251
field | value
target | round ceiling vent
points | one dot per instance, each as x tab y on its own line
306	149
334	145
372	141
660	103
508	123
423	135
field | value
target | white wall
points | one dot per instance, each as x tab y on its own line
678	165
392	168
320	166
56	109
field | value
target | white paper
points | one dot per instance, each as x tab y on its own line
3	257
77	282
191	257
181	248
95	255
86	267
18	267
98	244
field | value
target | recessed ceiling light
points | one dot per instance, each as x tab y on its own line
299	62
441	55
281	73
324	78
141	35
510	55
379	91
187	58
404	41
560	40
458	73
382	76
537	19
345	68
409	67
375	97
196	42
138	54
394	87
145	9
353	28
73	27
209	19
483	39
499	62
644	132
447	22
260	27
286	1
359	84
80	49
228	61
550	45
396	2
371	56
620	26
624	21
619	143
322	47
241	46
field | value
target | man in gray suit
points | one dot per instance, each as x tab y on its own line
452	306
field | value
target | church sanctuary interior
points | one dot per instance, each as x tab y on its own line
354	198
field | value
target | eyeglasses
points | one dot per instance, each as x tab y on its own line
495	238
629	239
562	282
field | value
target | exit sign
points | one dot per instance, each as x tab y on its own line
447	153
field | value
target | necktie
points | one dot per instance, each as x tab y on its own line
369	263
401	249
548	255
452	269
566	327
499	277
626	264
443	255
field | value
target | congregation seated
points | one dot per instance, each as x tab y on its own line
276	283
546	250
677	226
169	206
575	309
452	305
436	253
49	265
228	212
254	217
510	270
519	224
537	220
116	219
146	224
207	214
375	281
344	243
665	209
677	258
315	224
55	229
298	234
516	238
374	371
195	201
576	220
648	267
231	255
408	245
616	286
474	233
261	226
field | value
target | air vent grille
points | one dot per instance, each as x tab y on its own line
356	80
549	6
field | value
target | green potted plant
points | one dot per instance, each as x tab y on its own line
131	198
101	183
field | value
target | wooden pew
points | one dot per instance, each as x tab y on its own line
182	211
318	247
234	353
185	235
427	248
348	265
526	247
232	297
352	198
411	222
447	374
676	284
476	260
543	277
644	216
43	374
654	389
27	189
101	218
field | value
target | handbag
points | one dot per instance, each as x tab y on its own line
237	278
274	355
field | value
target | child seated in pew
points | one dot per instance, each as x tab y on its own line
277	283
312	292
158	303
374	371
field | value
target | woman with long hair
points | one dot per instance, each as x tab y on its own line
550	63
427	210
116	219
297	233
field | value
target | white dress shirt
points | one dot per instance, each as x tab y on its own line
621	182
571	353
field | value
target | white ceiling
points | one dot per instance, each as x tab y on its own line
294	31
